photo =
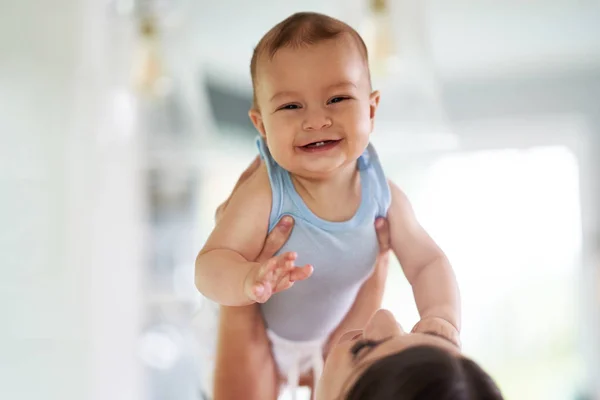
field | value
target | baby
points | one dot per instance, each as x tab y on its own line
314	109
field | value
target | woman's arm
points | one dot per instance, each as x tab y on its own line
370	294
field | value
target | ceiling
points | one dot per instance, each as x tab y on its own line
466	38
466	42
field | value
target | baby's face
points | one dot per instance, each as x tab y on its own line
316	106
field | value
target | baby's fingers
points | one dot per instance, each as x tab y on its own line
285	264
258	287
270	274
296	274
284	284
261	292
301	273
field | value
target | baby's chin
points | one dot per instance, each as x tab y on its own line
322	169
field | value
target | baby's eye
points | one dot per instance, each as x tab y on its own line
289	107
338	99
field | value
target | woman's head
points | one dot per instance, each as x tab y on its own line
383	362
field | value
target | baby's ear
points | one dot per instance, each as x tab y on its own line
257	121
374	103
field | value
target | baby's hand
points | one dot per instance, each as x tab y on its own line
440	327
274	275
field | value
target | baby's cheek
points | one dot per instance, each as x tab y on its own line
280	150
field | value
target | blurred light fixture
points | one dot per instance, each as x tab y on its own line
379	38
148	65
150	18
402	67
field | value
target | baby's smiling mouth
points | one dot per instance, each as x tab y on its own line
322	143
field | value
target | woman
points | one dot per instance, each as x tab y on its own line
379	362
383	362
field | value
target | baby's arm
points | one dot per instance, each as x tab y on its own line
223	272
424	264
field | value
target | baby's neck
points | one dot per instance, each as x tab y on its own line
335	198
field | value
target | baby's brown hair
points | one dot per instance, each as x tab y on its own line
301	29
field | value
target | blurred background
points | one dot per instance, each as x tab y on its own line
123	124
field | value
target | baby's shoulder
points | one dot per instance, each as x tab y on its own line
255	190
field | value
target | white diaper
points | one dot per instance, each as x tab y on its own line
297	358
293	358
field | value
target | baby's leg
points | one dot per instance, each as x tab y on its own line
244	368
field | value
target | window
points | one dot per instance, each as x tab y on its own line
509	220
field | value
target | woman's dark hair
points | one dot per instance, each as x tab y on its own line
424	373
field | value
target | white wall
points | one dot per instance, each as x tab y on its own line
40	305
69	254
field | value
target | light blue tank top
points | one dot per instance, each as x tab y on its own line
342	253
